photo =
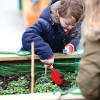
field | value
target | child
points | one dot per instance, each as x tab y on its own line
89	68
57	30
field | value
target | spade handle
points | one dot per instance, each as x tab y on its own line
51	67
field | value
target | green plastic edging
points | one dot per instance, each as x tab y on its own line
63	65
75	91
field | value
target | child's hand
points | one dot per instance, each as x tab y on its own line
48	62
69	48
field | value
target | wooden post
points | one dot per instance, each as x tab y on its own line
45	70
32	68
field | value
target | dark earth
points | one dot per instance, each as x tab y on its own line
8	78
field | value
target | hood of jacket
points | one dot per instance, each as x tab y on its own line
53	12
92	32
50	13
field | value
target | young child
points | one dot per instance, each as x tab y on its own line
89	68
57	30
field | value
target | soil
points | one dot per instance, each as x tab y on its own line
8	78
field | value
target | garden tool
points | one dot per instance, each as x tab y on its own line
19	53
56	76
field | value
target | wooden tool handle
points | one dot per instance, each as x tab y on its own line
51	67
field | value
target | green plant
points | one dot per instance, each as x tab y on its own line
5	92
16	87
1	82
20	90
45	84
44	79
71	77
46	87
42	84
20	83
1	88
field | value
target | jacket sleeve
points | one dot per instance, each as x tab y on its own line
75	35
36	34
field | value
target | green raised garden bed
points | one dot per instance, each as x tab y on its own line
67	67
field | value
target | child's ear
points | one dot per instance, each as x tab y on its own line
57	13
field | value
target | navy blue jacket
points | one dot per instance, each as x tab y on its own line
48	36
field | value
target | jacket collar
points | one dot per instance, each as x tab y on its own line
53	12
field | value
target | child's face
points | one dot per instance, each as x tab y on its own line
67	22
